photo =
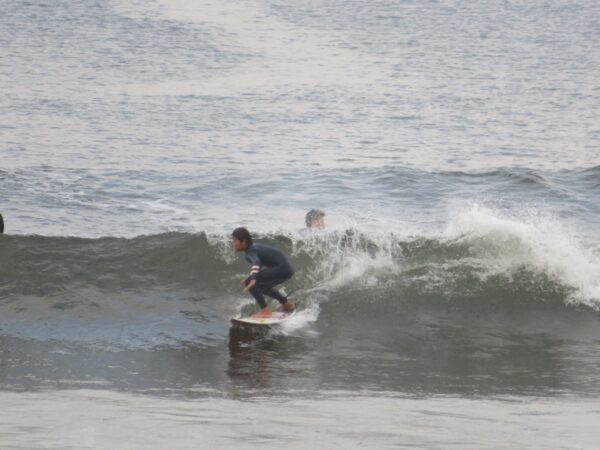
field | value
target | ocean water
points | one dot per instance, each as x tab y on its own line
453	299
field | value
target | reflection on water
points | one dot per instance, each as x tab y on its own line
266	362
252	359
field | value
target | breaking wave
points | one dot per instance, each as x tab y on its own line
479	257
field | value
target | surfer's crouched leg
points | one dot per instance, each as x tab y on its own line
286	303
267	279
260	299
258	296
274	293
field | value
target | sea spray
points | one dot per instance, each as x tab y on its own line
537	242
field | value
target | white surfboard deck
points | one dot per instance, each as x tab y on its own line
277	318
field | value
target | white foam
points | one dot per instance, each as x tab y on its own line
302	319
539	241
356	266
344	257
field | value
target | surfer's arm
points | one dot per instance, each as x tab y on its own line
255	261
251	279
253	272
249	284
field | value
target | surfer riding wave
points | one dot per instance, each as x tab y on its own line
270	267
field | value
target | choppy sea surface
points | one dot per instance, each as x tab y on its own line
453	299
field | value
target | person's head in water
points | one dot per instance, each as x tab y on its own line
1	224
315	218
241	239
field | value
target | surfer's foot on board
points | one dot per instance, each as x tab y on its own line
264	313
287	306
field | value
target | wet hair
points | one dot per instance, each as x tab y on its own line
312	215
241	234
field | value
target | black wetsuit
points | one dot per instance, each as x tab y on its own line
270	267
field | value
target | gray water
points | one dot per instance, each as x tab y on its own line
454	148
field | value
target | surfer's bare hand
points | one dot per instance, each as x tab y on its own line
251	283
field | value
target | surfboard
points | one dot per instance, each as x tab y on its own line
277	318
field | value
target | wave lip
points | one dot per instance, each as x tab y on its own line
540	243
